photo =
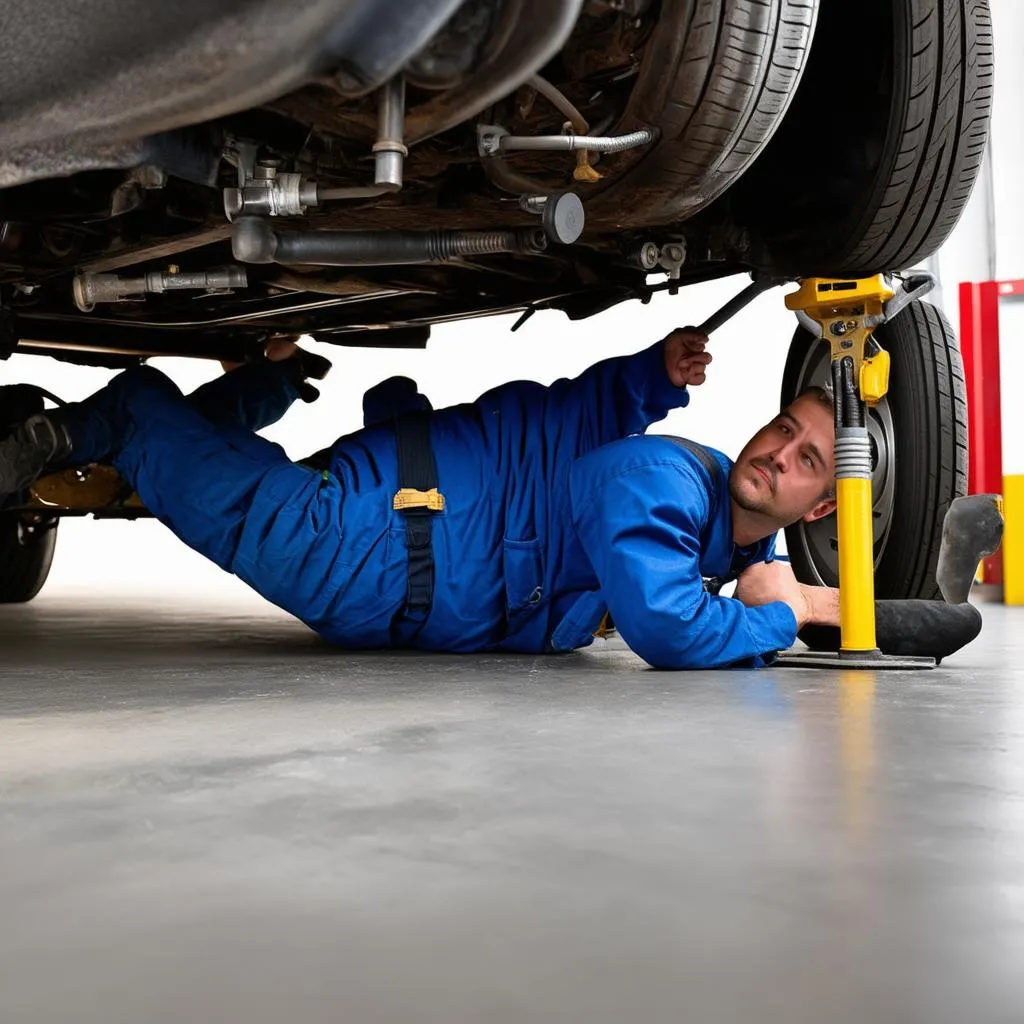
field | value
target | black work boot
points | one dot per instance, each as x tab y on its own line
17	403
28	449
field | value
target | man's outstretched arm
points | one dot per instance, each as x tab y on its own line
626	394
620	396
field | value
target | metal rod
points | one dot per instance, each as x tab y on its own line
128	256
571	143
389	148
734	305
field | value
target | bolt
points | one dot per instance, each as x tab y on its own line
846	344
173	269
533	204
647	256
838	329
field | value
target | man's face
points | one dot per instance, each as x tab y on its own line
788	467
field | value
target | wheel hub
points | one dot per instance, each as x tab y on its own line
820	539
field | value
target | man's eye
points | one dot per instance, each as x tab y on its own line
808	462
784	428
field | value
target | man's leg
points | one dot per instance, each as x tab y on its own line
230	495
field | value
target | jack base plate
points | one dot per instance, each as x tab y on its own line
873	660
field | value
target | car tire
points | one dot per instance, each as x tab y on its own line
26	554
715	82
919	440
883	143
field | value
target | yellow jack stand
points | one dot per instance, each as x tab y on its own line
845	314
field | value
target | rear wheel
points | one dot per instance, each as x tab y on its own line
919	447
894	107
26	554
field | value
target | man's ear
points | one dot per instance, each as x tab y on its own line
824	508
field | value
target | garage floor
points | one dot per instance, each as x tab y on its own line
208	816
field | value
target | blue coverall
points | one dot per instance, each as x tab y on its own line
558	509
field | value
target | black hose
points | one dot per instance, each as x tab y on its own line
853	408
255	241
838	399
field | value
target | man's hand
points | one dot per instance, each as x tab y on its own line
685	358
766	582
277	350
774	581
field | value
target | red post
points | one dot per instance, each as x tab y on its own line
979	345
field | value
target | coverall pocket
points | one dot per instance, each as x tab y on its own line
523	567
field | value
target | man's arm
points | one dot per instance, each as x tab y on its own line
623	395
640	526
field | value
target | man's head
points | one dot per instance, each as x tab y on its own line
786	472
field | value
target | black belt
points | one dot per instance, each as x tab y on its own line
418	499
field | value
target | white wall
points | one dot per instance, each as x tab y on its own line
461	361
988	243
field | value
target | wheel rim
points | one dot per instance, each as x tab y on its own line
819	541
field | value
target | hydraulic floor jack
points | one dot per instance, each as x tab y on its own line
845	313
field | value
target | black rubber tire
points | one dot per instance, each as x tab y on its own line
928	401
716	81
25	560
909	85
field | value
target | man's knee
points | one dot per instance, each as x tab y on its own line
141	395
142	380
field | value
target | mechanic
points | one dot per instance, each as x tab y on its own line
558	509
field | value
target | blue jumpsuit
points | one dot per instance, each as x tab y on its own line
558	509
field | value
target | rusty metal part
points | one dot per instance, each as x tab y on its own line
538	34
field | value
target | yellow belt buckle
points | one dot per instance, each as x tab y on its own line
409	497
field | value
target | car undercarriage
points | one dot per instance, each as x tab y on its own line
197	180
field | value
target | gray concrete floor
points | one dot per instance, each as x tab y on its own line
206	815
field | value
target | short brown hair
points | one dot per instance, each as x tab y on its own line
822	394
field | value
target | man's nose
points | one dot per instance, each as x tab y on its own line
780	458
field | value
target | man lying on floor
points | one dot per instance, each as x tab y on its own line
557	508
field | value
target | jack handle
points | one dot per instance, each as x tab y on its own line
738	302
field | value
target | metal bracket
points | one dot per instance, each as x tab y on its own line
842	312
913	287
